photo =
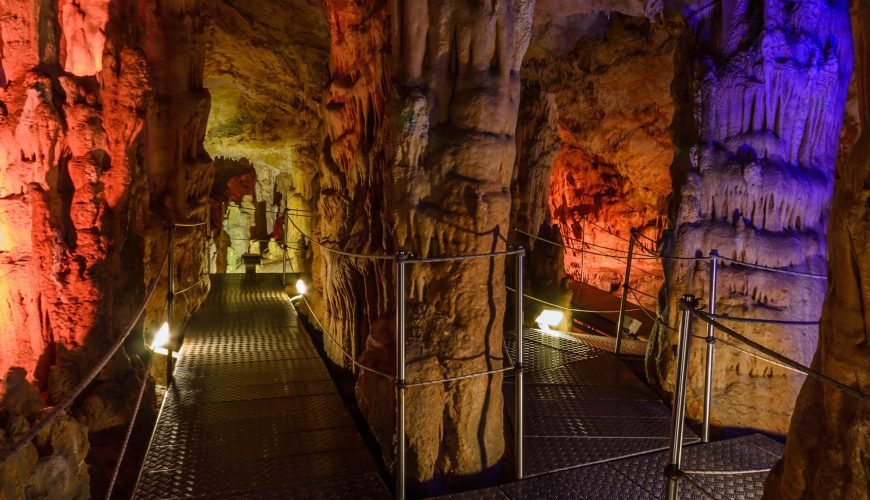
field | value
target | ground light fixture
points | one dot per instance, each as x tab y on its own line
548	318
161	338
301	287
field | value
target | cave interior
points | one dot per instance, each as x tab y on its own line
667	199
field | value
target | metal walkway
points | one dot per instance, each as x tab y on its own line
584	406
595	431
253	412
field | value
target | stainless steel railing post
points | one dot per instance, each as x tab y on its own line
284	246
711	341
518	409
678	414
170	298
401	270
583	249
205	237
625	285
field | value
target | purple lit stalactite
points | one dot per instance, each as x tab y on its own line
756	184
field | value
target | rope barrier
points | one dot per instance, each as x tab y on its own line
755	355
643	293
461	377
191	287
619	258
129	432
90	376
775	270
189	224
654	319
568	309
456	258
346	354
725	472
341	252
761	320
779	357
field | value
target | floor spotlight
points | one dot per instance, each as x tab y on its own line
161	338
548	318
301	287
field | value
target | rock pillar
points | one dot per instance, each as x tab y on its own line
754	181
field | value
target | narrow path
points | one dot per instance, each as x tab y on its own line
253	412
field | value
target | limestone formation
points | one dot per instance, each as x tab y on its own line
754	182
826	452
614	106
419	157
81	223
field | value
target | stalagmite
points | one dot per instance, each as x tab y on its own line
756	186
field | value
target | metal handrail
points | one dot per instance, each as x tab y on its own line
781	358
689	306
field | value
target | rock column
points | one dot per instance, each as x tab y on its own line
771	82
421	113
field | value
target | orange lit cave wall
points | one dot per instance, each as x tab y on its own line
609	76
96	152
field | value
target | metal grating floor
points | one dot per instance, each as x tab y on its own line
583	406
595	431
642	476
253	412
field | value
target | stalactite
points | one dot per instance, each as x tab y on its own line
755	182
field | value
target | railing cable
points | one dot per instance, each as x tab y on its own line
90	376
783	359
350	358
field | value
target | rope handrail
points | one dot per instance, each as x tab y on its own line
775	355
460	377
391	377
90	376
341	252
755	355
191	287
301	212
341	348
654	319
457	258
129	432
410	260
569	309
774	269
620	258
656	256
738	319
188	224
725	472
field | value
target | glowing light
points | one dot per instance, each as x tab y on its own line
301	287
161	338
548	318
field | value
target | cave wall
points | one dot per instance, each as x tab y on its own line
754	176
611	75
101	125
826	451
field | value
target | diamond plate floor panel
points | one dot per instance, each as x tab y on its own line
642	476
253	412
